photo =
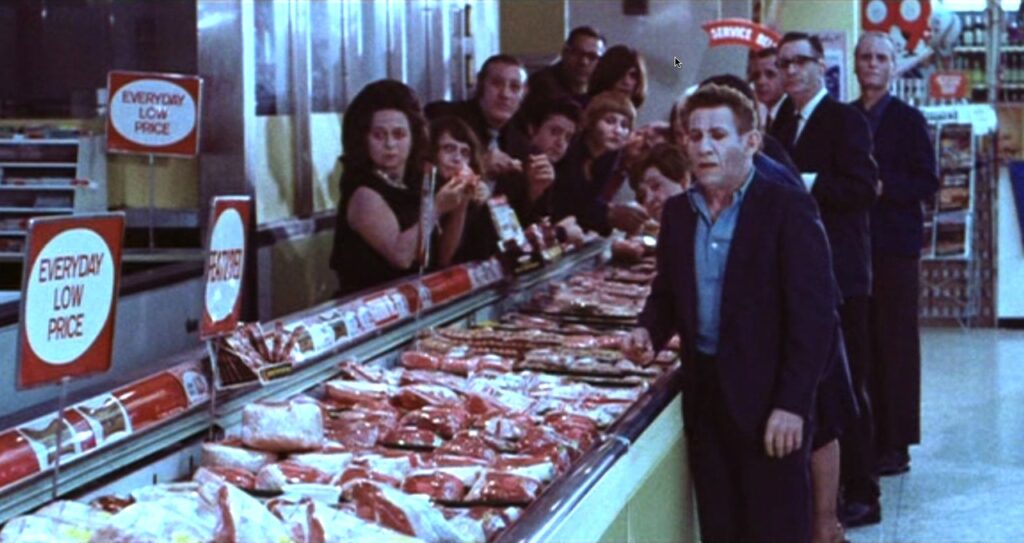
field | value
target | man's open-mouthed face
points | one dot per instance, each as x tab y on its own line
721	154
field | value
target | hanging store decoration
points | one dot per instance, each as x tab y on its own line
741	32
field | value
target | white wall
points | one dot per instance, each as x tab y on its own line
1010	264
672	29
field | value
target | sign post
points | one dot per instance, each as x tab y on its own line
153	114
225	268
69	303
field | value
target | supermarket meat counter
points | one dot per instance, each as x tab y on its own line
468	405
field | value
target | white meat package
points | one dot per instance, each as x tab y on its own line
283	427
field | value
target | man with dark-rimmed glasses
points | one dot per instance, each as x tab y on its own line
568	77
831	144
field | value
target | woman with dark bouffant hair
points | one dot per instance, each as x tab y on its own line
621	69
379	231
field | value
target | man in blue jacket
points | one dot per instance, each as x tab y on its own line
906	166
745	278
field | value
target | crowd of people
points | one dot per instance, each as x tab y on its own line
788	248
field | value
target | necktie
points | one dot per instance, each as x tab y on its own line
797	127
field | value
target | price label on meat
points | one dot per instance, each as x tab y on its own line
225	264
73	267
153	113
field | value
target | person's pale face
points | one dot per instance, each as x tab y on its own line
613	130
628	82
504	86
452	155
720	155
802	70
654	189
580	58
552	137
874	64
767	80
389	141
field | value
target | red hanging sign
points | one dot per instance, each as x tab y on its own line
153	113
911	17
948	85
741	32
225	264
69	297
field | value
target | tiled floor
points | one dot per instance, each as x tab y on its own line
966	482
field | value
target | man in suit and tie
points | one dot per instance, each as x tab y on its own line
831	144
766	78
744	277
906	167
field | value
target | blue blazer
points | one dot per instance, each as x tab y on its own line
778	314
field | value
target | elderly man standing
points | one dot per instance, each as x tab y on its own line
831	144
906	167
745	278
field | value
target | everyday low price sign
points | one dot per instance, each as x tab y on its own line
69	293
153	113
225	264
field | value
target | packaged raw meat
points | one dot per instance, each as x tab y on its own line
111	504
412	397
315	522
468	443
417	377
408	514
459	365
58	522
163	513
539	436
349	393
419	361
282	427
329	463
396	466
562	419
506	399
362	472
231	454
557	453
273	477
354	371
242	519
412	438
493	362
540	468
244	479
445	421
351	430
438	484
495	487
492	520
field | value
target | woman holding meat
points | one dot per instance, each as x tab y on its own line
380	226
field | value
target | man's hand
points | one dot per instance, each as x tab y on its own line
496	162
540	174
627	217
783	434
638	345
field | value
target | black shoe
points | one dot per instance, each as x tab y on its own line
893	463
853	514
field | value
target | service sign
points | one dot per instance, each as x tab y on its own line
153	113
69	297
225	264
741	32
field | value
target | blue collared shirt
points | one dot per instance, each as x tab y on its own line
711	252
874	115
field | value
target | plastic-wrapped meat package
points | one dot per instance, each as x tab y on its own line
536	467
580	342
349	393
466	473
491	520
57	522
413	360
361	472
316	522
328	463
578	428
395	466
546	435
496	487
177	513
111	504
412	438
246	480
242	519
445	421
469	443
437	484
351	430
231	454
404	513
504	428
358	372
282	427
412	397
272	478
507	400
423	377
459	365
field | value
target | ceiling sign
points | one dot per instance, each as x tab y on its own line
741	32
69	297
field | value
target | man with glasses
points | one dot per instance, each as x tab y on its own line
568	77
831	144
906	166
764	75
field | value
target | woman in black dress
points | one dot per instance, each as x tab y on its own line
381	224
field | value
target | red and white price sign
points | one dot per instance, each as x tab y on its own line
153	113
69	292
225	264
741	32
948	85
